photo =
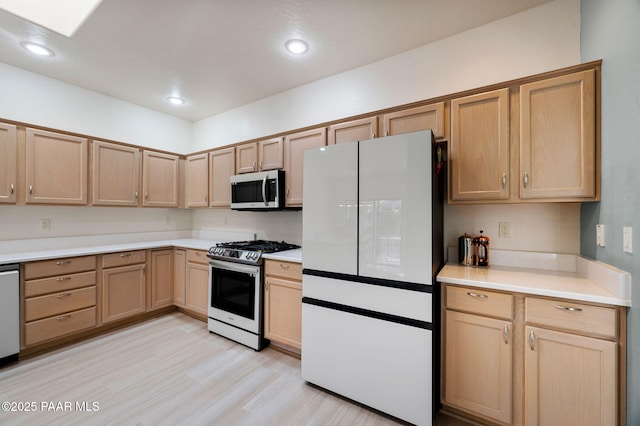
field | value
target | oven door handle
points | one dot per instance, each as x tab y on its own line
264	190
235	267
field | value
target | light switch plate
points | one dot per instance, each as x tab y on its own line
627	239
600	236
504	230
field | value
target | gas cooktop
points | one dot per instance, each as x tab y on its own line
247	251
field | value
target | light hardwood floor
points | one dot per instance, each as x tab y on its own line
170	370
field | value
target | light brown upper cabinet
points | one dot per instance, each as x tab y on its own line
479	148
353	131
415	119
56	168
116	174
258	156
294	147
8	163
160	179
222	165
197	180
557	138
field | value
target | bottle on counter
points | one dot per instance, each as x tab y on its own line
481	250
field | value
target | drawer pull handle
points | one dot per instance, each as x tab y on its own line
284	266
125	255
63	295
506	333
477	296
63	317
63	262
568	308
532	340
63	279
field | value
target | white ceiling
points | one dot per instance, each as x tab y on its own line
222	54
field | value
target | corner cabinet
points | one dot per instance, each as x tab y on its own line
294	147
222	165
56	168
558	139
8	163
116	175
283	303
160	179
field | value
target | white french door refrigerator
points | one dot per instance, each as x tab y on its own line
372	245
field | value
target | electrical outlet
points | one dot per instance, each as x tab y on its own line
600	236
504	229
45	224
167	220
627	239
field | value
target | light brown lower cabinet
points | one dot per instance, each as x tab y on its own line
547	362
59	298
179	277
197	282
283	303
161	278
123	285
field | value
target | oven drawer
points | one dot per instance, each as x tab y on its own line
54	304
197	256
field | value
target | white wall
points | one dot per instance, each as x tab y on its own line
35	99
537	40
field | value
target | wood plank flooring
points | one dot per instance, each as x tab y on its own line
170	370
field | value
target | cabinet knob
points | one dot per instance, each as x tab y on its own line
260	164
525	179
136	195
146	195
30	189
505	333
13	188
504	180
254	165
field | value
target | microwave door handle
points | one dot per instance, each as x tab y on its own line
264	190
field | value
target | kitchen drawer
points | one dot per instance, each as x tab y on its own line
124	258
57	284
479	301
49	268
571	316
53	327
197	256
54	304
292	270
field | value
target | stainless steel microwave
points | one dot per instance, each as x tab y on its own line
258	191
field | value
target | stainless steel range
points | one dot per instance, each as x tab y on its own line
236	285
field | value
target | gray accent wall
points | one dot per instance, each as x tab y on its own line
610	31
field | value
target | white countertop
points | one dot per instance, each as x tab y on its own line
294	255
571	277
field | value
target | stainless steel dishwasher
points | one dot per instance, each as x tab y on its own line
9	313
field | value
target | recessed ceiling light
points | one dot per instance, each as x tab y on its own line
175	100
36	48
296	46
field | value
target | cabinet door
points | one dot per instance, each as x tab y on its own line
197	287
479	149
179	277
557	137
56	168
569	379
197	185
478	353
123	292
283	311
160	179
294	147
247	157
415	119
161	278
223	166
353	131
270	153
8	163
116	174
